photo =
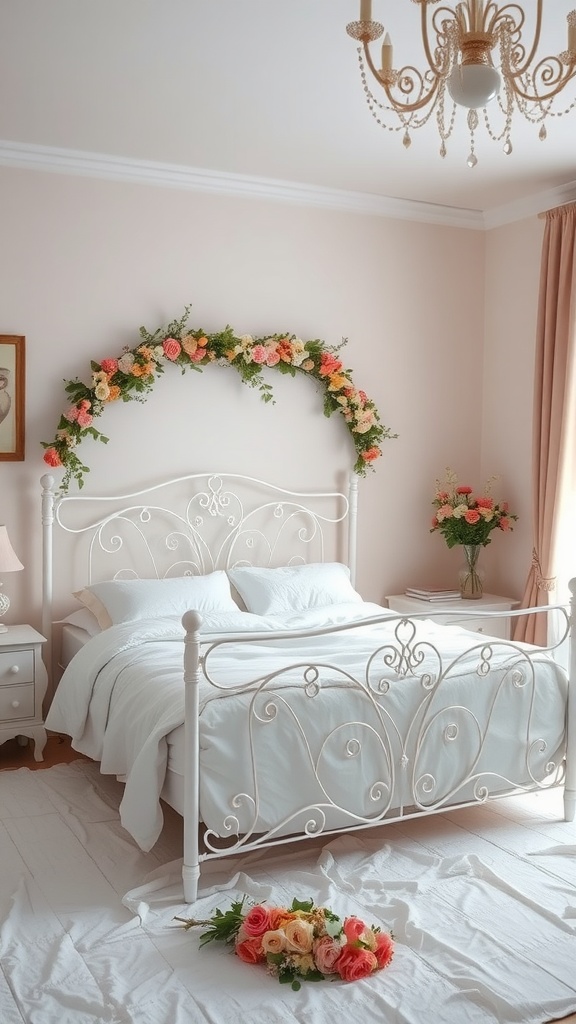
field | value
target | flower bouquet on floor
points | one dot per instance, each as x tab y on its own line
300	942
467	518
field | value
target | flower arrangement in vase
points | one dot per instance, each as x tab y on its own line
467	518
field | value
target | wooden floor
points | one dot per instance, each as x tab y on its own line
56	751
59	751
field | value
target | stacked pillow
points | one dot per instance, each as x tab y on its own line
278	591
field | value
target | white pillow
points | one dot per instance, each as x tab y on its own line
117	601
293	588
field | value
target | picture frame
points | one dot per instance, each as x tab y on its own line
12	397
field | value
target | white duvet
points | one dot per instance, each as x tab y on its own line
358	745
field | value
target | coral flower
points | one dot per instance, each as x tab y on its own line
329	364
109	366
52	458
472	516
371	454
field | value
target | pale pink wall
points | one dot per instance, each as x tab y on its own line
512	276
84	263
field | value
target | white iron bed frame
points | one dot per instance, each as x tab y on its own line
217	529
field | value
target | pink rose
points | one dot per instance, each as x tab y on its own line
355	962
384	949
259	354
52	458
250	950
505	524
84	418
272	357
171	348
444	512
257	921
326	952
198	355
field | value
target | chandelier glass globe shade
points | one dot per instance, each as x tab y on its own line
473	85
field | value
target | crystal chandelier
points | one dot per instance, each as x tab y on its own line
476	54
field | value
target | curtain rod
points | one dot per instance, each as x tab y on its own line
544	213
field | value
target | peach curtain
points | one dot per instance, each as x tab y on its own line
554	423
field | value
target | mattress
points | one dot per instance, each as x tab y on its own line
73	639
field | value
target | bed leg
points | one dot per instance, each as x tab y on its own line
569	804
190	877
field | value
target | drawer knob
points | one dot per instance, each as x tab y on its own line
15	669
15	704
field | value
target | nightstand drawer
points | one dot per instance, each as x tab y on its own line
17	702
16	667
492	627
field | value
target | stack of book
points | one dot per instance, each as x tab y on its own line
433	594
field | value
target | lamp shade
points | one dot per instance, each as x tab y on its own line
9	561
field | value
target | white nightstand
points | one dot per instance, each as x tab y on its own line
23	682
476	622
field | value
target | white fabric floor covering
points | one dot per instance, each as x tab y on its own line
482	903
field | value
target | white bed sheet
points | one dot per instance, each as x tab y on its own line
121	700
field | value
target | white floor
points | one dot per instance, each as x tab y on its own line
482	903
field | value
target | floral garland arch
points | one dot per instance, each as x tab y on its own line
133	374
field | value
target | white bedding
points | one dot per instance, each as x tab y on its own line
121	701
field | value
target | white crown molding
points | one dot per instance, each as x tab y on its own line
147	172
521	209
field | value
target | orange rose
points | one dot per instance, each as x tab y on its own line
355	962
250	950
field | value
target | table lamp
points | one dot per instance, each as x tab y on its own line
9	562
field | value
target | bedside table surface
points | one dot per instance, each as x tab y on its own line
18	635
487	602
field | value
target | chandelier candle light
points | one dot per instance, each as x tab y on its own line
477	53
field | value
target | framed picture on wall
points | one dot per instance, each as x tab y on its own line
12	397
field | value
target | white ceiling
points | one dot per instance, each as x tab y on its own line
268	89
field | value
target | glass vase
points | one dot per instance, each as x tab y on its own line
471	583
